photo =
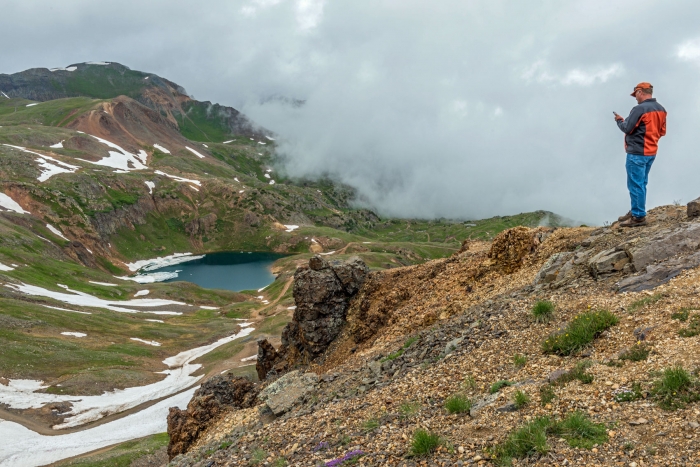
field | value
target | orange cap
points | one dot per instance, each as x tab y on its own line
642	85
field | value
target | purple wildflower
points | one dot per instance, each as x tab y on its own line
323	445
349	456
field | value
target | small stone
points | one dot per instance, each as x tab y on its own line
460	449
639	421
633	464
694	424
477	458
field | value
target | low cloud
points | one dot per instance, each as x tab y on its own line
455	109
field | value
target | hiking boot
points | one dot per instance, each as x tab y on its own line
625	217
634	222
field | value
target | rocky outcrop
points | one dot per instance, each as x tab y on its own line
512	246
322	293
288	391
608	261
214	397
693	208
267	358
201	226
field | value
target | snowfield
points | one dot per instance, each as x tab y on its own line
20	393
87	300
178	179
151	278
74	334
55	231
58	145
150	186
161	148
5	268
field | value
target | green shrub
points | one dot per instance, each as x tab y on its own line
579	333
519	360
469	382
458	403
693	328
547	394
520	399
410	341
579	431
543	311
498	385
682	314
675	388
424	442
637	353
258	456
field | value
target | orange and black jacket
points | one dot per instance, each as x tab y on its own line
644	127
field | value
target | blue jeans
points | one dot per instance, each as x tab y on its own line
638	167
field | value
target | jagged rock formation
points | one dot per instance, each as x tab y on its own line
322	293
215	396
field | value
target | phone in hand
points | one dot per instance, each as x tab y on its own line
616	114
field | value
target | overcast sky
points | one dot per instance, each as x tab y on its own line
454	108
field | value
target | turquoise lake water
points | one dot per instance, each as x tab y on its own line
227	270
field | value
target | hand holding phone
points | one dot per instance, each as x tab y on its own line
617	116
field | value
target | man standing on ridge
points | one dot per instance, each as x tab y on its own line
643	128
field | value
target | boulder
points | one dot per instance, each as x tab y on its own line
288	391
214	397
693	208
552	268
608	261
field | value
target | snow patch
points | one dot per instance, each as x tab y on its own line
74	334
272	182
47	164
142	293
150	186
160	262
248	359
55	231
153	343
161	148
179	179
208	307
106	284
267	175
326	254
87	300
229	141
32	105
121	159
58	145
292	307
11	205
97	63
155	320
271	139
260	142
66	309
205	145
6	268
5	94
194	152
291	228
152	277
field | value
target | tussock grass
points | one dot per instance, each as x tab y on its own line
637	353
519	360
531	439
458	403
675	388
547	394
409	409
370	425
543	311
641	303
424	442
579	333
521	399
693	328
498	385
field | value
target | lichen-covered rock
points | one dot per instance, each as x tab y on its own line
608	261
288	391
214	397
551	270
